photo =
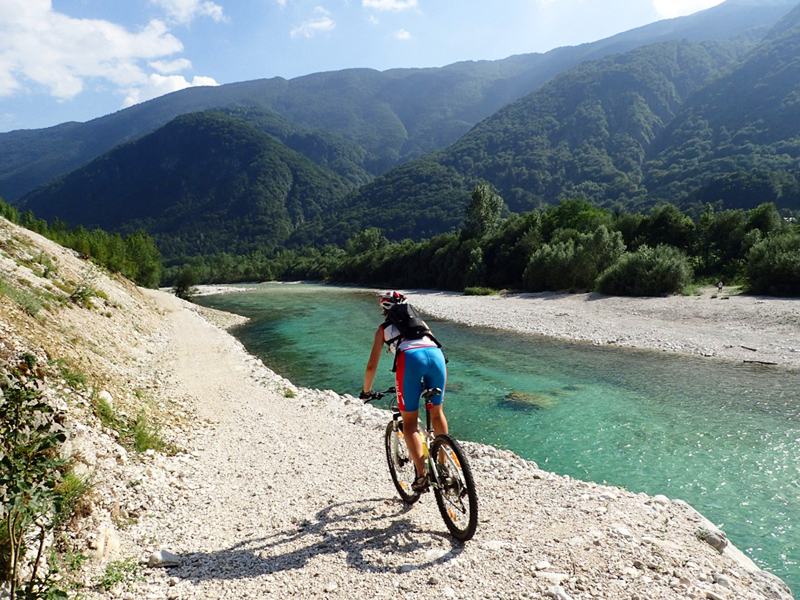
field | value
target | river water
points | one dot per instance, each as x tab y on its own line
723	436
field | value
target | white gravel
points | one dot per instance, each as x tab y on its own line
728	326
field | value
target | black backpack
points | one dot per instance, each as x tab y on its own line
410	325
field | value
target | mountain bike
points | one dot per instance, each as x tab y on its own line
449	473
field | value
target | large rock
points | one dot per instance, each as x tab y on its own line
107	542
163	558
527	401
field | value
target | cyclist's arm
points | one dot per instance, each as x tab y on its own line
374	359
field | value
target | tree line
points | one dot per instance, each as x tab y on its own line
135	256
570	246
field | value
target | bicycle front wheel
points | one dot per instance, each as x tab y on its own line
455	488
401	466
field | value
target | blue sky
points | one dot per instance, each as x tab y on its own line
75	60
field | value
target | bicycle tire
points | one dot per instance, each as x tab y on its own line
455	493
401	467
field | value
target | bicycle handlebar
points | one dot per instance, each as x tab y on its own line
426	394
379	395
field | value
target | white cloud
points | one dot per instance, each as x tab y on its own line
184	11
396	5
158	85
316	25
42	47
373	19
171	66
402	34
281	2
669	9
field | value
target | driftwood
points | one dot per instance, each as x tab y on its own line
760	362
751	349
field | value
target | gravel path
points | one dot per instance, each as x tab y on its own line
279	497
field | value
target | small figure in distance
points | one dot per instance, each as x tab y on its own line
719	287
418	361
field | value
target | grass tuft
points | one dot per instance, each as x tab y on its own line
148	437
73	377
120	571
27	301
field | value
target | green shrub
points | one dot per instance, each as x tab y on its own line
573	260
773	266
649	271
551	268
480	291
184	284
29	480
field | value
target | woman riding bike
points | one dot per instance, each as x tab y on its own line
419	364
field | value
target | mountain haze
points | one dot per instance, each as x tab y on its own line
656	123
393	116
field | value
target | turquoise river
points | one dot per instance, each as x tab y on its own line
724	436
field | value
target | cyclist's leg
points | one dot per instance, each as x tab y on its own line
438	420
408	378
413	439
436	377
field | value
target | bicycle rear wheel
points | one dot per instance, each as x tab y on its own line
401	466
455	489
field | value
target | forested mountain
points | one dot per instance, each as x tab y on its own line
676	121
583	134
329	150
203	183
391	117
747	120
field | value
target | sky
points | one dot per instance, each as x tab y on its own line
76	60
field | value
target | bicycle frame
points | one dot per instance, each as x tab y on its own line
425	433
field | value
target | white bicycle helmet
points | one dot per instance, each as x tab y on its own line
389	299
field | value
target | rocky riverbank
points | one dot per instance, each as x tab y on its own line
726	325
265	490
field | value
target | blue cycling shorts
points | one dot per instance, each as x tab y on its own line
418	367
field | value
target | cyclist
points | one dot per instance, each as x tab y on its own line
417	361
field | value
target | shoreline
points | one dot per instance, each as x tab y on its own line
761	330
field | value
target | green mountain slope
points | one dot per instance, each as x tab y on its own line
749	119
203	183
394	116
584	134
329	150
